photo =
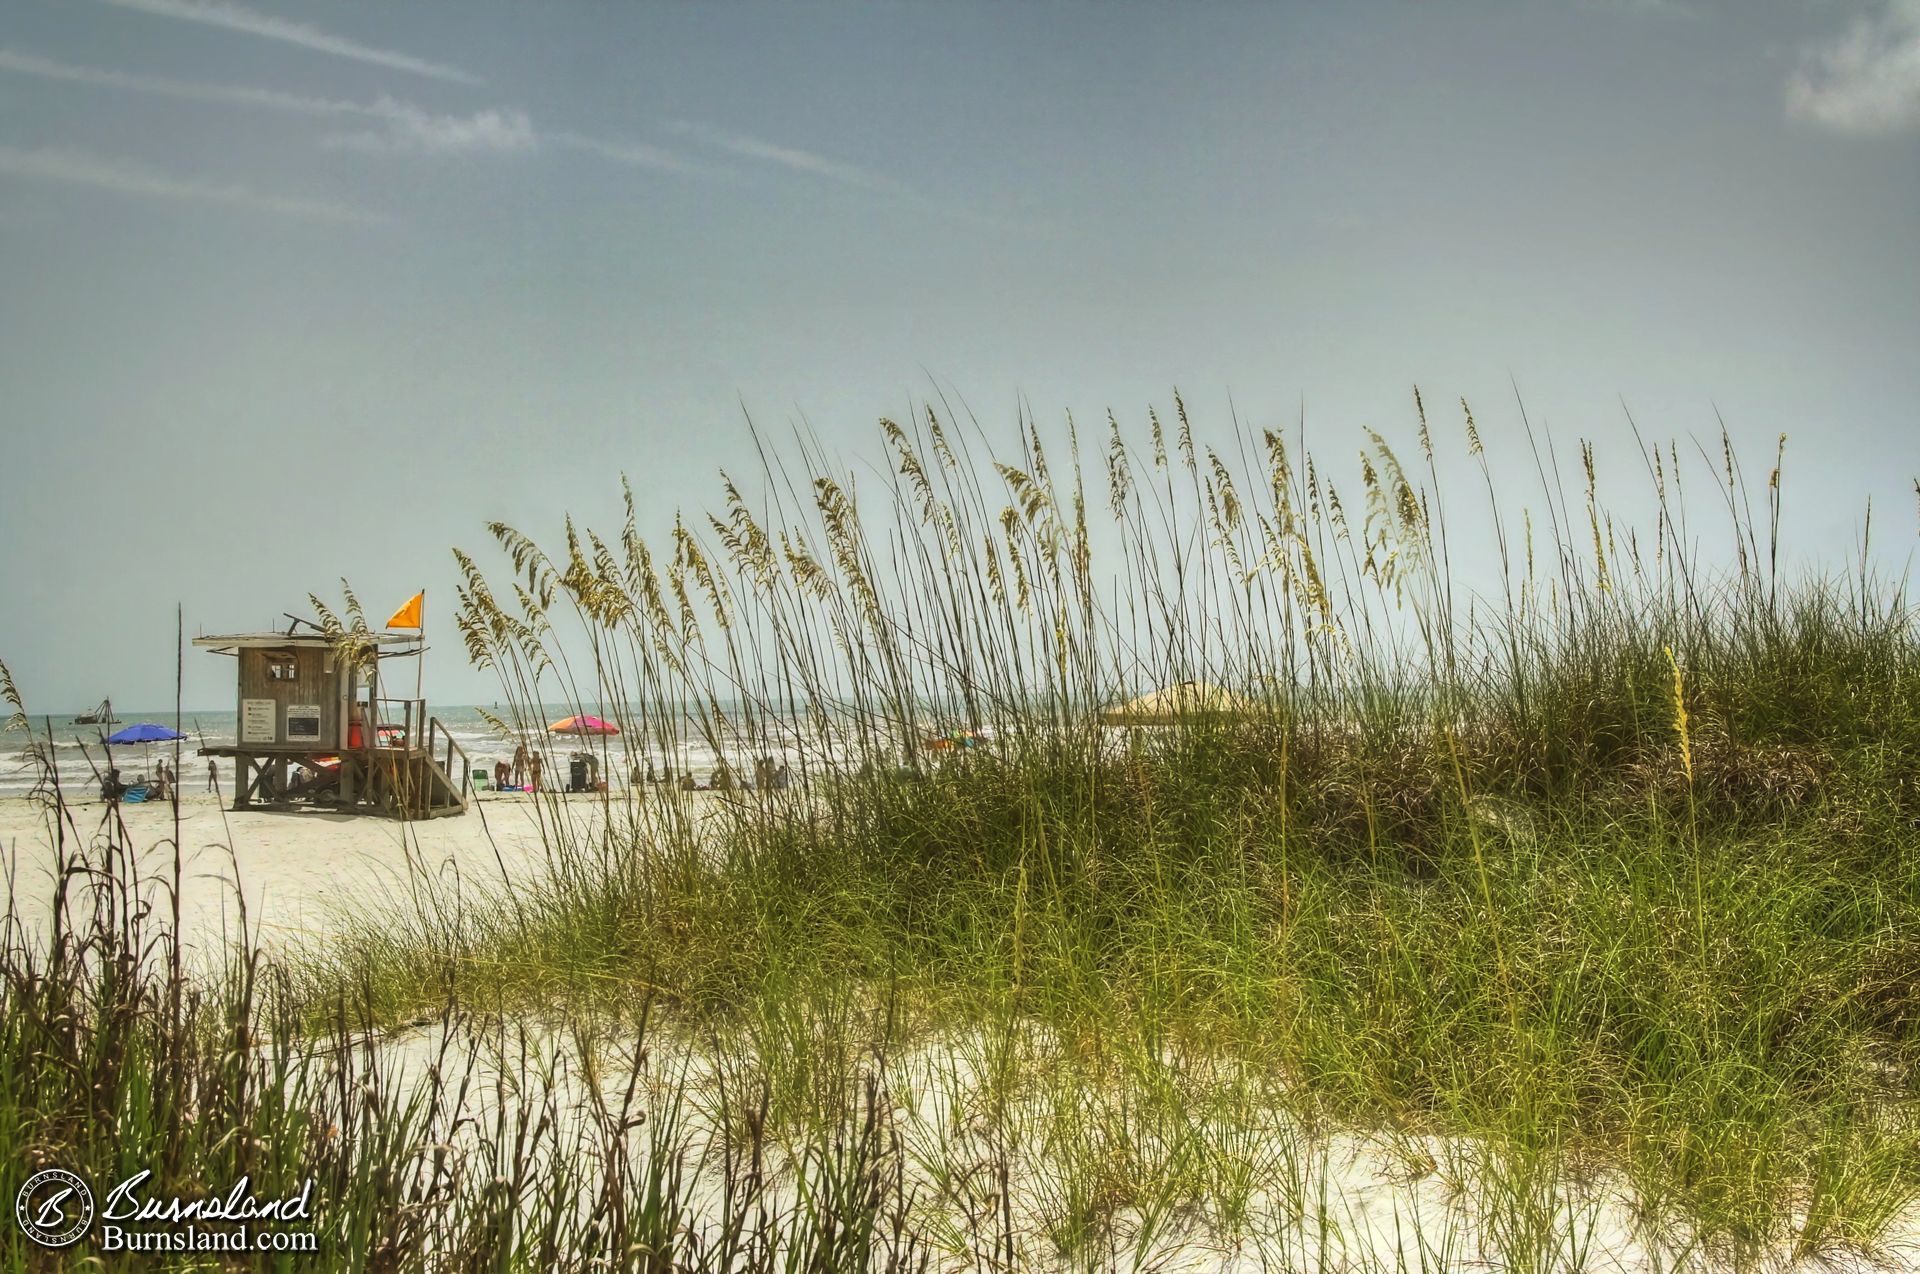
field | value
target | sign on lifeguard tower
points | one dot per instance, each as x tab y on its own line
259	721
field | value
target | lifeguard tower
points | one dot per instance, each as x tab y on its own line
313	729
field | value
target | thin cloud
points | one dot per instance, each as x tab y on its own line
814	164
233	17
1867	80
408	130
403	127
805	161
128	177
223	94
636	154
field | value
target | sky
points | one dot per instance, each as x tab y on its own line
297	292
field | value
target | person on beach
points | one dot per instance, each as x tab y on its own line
213	776
520	765
501	771
533	769
722	778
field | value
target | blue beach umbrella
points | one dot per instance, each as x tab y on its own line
145	732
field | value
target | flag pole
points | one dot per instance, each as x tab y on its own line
420	648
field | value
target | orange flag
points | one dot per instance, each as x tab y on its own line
408	616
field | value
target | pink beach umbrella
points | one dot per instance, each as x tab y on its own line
582	725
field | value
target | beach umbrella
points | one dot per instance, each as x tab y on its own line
145	733
583	725
1184	700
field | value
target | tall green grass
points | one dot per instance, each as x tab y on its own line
1602	853
1577	886
468	1144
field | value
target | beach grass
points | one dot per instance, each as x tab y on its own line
1603	855
1576	889
466	1143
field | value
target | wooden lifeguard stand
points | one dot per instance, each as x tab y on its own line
312	728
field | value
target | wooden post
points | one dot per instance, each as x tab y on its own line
420	648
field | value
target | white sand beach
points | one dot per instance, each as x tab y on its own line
296	871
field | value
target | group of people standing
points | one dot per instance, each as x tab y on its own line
769	775
527	764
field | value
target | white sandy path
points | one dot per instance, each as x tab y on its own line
298	870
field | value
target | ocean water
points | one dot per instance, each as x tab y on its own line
80	757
